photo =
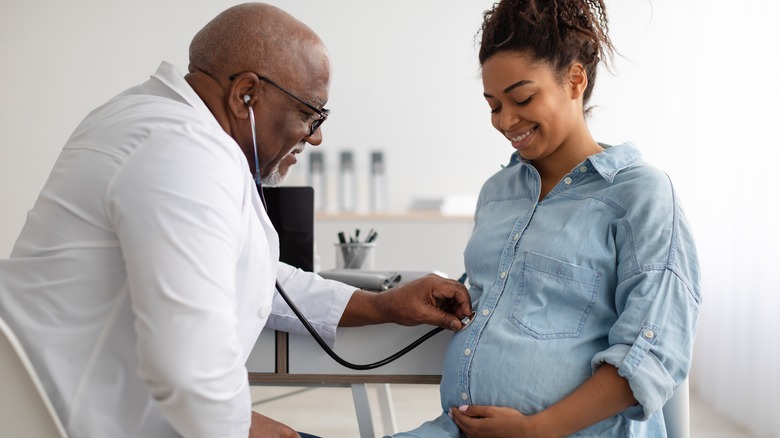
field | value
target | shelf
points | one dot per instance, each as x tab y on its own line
391	217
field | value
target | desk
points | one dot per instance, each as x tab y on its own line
406	242
286	359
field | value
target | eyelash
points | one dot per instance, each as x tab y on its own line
523	103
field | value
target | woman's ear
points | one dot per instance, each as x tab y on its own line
577	80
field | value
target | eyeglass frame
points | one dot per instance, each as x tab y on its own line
322	113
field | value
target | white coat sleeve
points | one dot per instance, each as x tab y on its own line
321	301
176	210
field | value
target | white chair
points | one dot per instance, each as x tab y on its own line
25	409
677	413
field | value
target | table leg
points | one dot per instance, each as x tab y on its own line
386	409
363	410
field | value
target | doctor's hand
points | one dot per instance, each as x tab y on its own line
263	427
428	300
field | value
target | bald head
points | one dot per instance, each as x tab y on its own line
255	37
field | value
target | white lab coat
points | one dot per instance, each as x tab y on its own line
145	272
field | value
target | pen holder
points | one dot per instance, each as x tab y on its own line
357	255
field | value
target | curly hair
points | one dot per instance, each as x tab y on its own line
558	32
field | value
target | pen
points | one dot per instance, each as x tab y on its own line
344	249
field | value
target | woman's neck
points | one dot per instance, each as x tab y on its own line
553	167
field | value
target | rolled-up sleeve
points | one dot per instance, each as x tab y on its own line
657	300
652	342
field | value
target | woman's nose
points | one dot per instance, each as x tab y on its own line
508	119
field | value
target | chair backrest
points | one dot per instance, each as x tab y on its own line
25	409
677	413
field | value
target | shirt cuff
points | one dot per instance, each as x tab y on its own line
650	382
321	301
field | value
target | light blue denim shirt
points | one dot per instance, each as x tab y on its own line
602	270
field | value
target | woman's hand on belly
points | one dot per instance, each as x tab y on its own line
491	421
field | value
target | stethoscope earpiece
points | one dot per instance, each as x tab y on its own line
247	99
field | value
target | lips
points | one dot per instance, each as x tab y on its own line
291	157
521	138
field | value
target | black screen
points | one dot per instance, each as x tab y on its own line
291	210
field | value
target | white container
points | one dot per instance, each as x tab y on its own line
378	194
317	180
347	183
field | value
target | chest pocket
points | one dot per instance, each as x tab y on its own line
555	298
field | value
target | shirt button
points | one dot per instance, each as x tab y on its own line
502	275
649	334
567	180
583	169
467	351
464	396
516	236
485	312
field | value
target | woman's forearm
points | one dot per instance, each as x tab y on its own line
605	394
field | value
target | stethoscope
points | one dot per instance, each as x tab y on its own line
295	309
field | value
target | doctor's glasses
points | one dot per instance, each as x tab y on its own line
322	113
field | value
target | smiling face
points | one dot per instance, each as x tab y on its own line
284	122
255	56
538	110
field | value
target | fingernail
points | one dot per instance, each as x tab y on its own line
463	408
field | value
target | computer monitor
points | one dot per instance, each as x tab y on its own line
291	210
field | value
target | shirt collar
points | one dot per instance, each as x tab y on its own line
607	163
613	159
168	82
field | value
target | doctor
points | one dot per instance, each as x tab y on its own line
145	270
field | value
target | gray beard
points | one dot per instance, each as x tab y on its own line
274	178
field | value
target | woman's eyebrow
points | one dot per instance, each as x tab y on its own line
512	87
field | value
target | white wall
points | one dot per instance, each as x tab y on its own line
398	86
695	89
406	81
